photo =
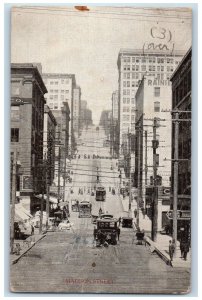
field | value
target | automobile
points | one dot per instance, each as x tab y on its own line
106	232
106	216
65	225
94	219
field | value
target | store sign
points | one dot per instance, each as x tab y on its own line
181	214
27	184
158	82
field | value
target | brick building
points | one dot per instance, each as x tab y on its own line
27	124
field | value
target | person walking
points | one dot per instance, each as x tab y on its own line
119	221
118	232
171	249
186	250
32	229
135	213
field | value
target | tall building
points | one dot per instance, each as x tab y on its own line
49	136
85	115
114	130
133	64
152	97
76	110
181	101
60	89
27	125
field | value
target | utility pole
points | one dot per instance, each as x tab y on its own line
65	166
47	197
59	156
13	198
42	202
129	146
175	179
155	188
138	178
145	157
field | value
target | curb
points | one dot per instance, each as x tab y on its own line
164	257
18	258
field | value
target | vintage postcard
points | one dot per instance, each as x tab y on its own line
100	149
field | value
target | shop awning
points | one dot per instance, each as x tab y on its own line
20	215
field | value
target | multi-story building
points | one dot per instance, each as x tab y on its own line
76	110
27	124
62	150
85	115
152	97
132	66
60	89
114	130
181	101
49	135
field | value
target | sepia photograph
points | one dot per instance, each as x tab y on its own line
100	149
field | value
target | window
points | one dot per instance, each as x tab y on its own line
137	60
133	83
15	90
51	105
158	76
128	83
168	69
124	84
158	68
56	91
157	92
51	82
67	91
128	75
128	92
133	118
56	82
137	68
157	106
15	135
128	100
162	76
143	68
126	117
124	100
51	97
62	91
67	81
15	112
133	100
162	68
62	81
125	75
124	92
62	97
133	68
133	75
143	60
55	96
133	59
55	106
128	68
51	91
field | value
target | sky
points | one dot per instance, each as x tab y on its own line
65	40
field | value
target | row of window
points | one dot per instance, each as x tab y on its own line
62	97
127	100
139	75
151	68
63	81
150	59
61	91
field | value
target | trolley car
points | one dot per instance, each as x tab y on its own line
85	208
100	193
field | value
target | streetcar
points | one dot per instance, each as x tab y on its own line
85	208
100	194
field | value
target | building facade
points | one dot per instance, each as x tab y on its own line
85	115
132	66
27	124
60	89
152	97
76	110
181	101
114	130
49	136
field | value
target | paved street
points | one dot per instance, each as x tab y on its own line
70	262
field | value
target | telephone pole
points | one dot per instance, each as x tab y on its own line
59	157
129	146
138	178
47	197
145	157
155	188
13	198
175	179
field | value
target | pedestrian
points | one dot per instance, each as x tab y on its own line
171	249
119	221
100	211
118	232
182	248
32	229
94	233
186	250
143	213
135	213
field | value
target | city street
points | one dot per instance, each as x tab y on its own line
69	261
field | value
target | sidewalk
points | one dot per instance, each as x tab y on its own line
161	245
25	246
